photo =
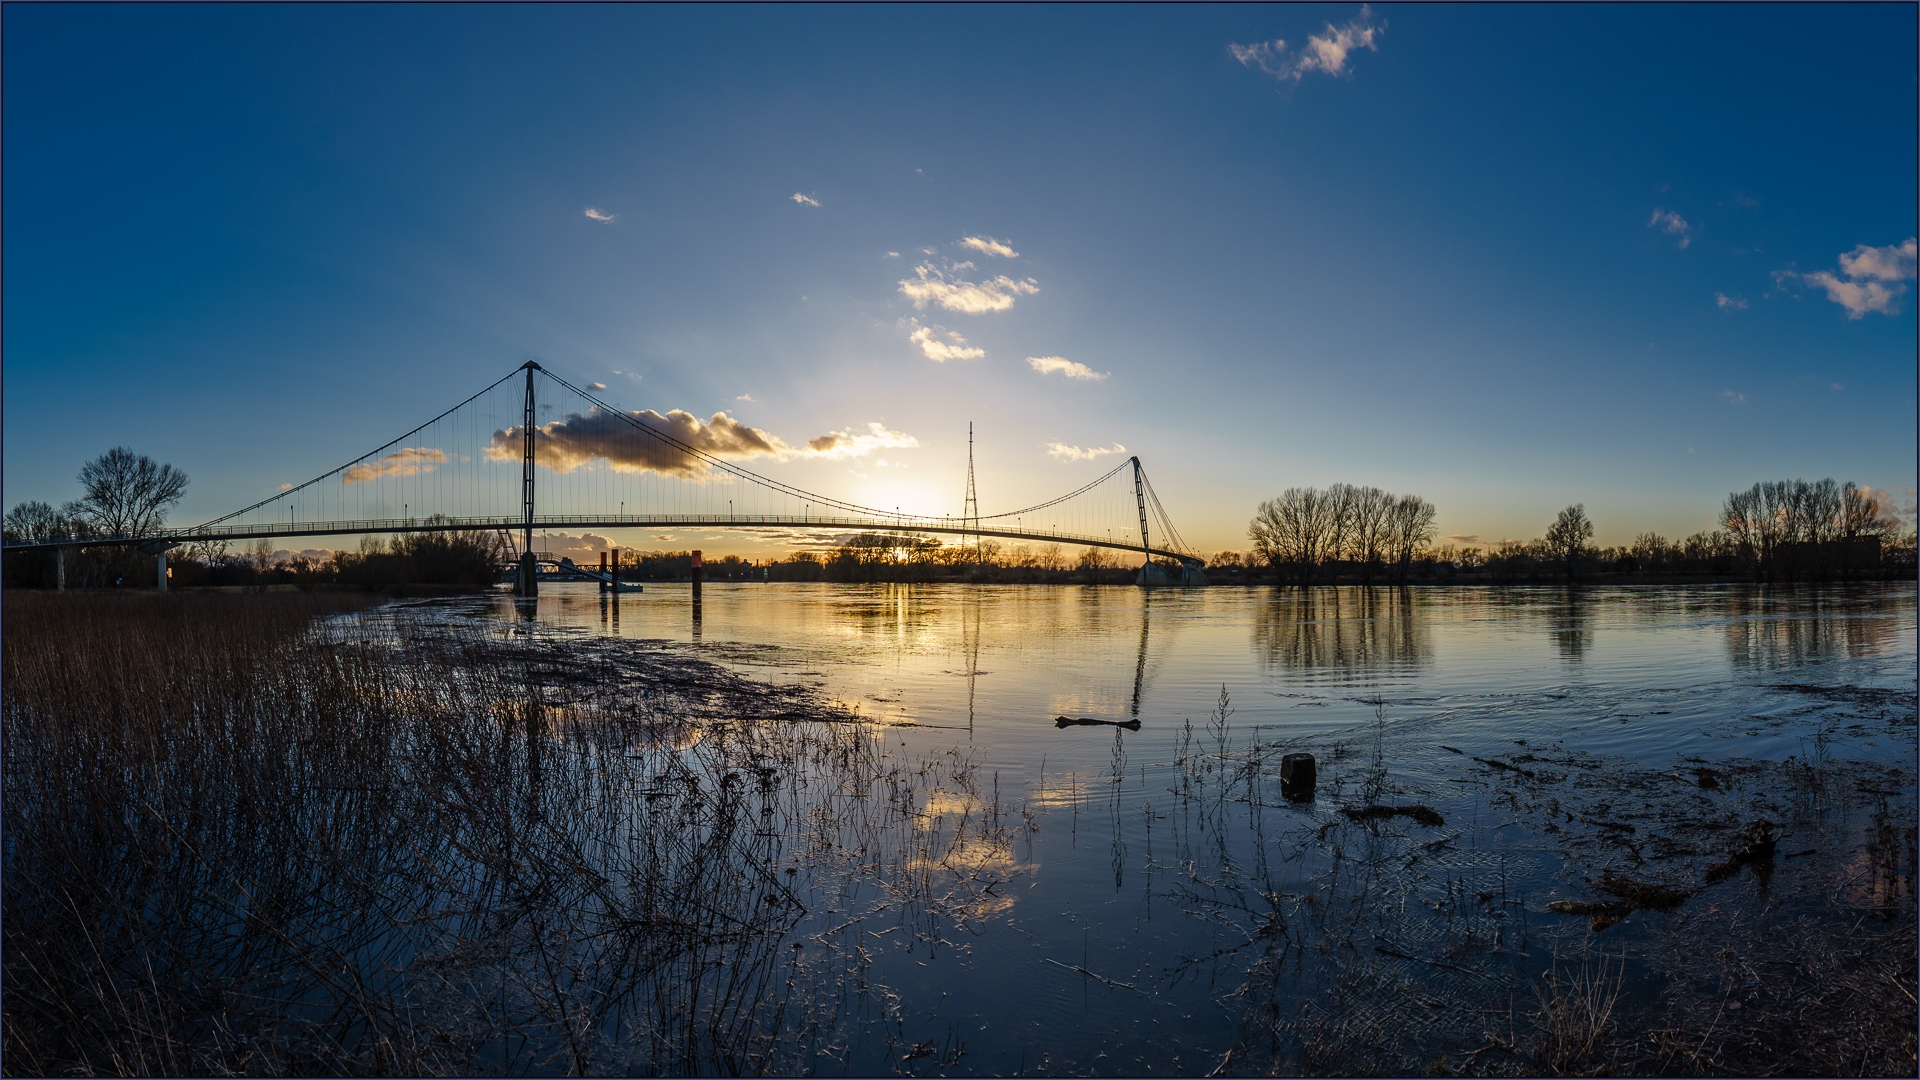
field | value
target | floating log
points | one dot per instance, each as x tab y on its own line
1086	721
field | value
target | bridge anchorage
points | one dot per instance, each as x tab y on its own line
595	466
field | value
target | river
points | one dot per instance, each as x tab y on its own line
1144	901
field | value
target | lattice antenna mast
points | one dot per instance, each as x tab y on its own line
970	510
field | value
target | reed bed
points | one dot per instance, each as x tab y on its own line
270	834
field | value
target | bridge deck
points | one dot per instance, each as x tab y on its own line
903	525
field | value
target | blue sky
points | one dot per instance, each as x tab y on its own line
1506	258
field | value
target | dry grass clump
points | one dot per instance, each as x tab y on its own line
239	841
1576	1012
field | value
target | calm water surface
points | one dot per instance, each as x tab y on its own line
1104	943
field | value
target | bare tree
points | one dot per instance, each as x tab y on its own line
1650	548
1340	499
1863	512
1372	508
1292	530
1409	530
128	494
1567	538
35	521
1741	515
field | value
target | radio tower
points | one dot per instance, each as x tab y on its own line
970	510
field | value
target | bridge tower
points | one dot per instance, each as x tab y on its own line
529	576
1140	497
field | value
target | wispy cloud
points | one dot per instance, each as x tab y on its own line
1734	397
1328	53
804	200
410	461
987	245
596	386
1047	365
1871	278
1463	539
931	286
954	348
286	487
602	216
1673	225
1729	303
744	397
1064	452
847	444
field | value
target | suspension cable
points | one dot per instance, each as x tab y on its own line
361	458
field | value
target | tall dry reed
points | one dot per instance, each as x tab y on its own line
267	834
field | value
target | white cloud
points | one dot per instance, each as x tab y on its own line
954	348
846	444
987	245
1047	365
744	397
1326	54
1673	225
997	294
1870	279
1064	452
893	254
1891	263
584	549
1729	303
286	487
281	555
410	461
602	216
804	200
1858	297
1734	397
596	386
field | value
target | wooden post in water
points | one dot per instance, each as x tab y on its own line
696	572
603	571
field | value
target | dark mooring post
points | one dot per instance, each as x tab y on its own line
529	583
695	571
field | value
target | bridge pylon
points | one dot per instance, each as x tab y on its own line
528	583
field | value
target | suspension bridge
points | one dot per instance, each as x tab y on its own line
481	464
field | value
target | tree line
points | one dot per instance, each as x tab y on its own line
1781	530
1307	530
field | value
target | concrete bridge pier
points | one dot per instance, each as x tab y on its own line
158	549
